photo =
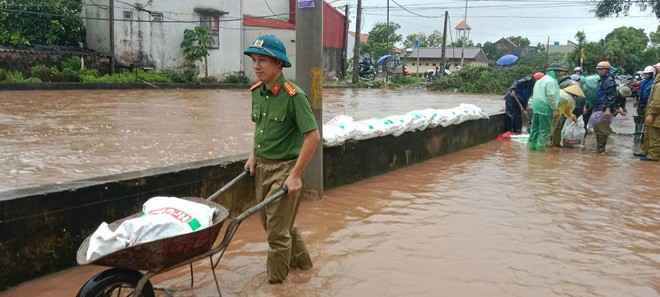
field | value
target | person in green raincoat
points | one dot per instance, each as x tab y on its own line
545	102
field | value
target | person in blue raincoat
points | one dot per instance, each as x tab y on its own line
545	102
604	106
516	102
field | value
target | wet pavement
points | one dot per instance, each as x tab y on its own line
493	220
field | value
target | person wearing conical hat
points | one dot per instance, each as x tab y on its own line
285	137
567	101
545	102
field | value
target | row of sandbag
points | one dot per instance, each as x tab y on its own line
342	128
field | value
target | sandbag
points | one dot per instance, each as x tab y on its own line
572	135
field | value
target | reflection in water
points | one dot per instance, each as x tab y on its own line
494	220
50	137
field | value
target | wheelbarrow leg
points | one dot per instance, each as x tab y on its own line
215	278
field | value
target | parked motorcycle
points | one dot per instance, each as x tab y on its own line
367	71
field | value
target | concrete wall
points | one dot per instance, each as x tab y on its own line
140	40
41	228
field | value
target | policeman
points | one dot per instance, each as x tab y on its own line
285	137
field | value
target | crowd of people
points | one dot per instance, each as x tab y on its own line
556	96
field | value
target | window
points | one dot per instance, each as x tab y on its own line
213	22
128	15
434	64
156	17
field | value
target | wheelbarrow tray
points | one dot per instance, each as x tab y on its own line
163	253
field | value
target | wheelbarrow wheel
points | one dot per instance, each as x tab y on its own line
115	282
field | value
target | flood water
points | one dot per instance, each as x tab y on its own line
51	137
493	220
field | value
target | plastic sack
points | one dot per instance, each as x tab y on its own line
420	121
447	117
597	117
338	130
374	127
401	123
572	135
163	217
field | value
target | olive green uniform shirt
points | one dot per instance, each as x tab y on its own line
282	115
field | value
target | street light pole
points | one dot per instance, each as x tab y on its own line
389	48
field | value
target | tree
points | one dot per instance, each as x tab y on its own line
492	51
411	38
625	46
26	22
461	41
540	47
519	41
606	8
381	39
195	45
654	37
435	39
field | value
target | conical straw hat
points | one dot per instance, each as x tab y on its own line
575	90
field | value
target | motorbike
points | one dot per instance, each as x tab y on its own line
367	71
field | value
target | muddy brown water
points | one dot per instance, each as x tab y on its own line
53	137
493	220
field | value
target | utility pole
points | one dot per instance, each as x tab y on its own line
444	41
387	35
111	22
464	39
345	41
356	48
309	76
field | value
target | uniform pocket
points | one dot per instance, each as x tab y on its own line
256	112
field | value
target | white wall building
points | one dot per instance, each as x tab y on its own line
149	33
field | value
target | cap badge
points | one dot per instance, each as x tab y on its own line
258	42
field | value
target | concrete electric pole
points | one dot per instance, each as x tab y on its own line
356	48
309	76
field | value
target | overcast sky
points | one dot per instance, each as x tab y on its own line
492	20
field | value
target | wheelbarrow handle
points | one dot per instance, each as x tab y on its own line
233	225
229	185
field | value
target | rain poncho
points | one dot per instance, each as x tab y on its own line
566	104
589	85
545	100
545	96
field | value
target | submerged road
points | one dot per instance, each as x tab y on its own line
493	220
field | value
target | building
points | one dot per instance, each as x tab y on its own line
563	49
429	58
507	47
148	33
350	48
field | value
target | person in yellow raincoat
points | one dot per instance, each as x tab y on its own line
651	144
567	98
545	101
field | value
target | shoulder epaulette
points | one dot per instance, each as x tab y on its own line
254	86
290	89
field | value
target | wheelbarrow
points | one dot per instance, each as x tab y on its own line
159	256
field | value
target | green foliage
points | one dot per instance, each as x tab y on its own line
128	77
519	41
606	8
208	80
654	37
381	40
26	22
406	80
624	47
493	80
237	78
16	76
72	63
196	42
185	76
459	43
491	50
